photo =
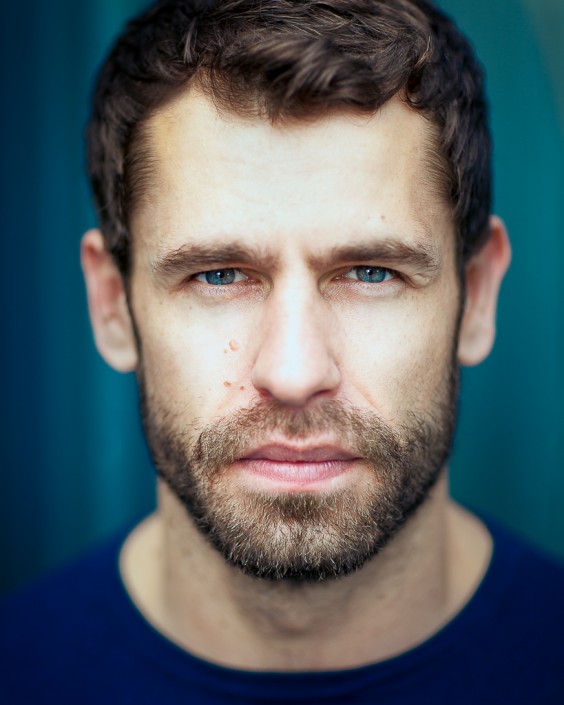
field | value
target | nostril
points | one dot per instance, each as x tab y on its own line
295	385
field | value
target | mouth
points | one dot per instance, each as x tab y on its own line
295	468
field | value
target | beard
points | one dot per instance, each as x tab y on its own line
302	536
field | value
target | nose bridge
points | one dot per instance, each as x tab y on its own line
296	357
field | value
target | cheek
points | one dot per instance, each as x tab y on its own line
399	358
196	361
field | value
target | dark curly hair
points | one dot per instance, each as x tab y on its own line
291	60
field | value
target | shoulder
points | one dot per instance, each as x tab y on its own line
505	645
518	614
527	570
61	626
62	593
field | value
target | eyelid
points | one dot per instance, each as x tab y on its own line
394	274
242	277
239	275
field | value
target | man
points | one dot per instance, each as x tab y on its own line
295	257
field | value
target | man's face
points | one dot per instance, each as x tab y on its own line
295	296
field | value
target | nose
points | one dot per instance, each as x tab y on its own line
295	360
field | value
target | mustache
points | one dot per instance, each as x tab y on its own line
359	431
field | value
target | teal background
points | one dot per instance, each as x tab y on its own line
75	467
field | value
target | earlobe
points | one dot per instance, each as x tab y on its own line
107	304
484	274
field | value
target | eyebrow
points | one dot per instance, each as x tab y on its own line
199	257
420	256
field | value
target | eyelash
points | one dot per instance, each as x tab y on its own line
389	273
386	270
217	271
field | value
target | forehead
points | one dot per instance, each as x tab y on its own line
215	175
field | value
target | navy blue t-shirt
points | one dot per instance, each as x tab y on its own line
77	638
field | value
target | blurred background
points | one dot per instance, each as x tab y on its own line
74	465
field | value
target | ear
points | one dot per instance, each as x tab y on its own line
109	314
484	274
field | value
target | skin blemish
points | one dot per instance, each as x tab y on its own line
382	217
225	351
227	384
241	389
234	345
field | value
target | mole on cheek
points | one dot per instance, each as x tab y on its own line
234	345
227	384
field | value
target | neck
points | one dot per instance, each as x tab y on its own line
401	597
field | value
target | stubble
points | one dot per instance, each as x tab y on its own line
302	536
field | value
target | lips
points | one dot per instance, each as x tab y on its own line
293	454
296	468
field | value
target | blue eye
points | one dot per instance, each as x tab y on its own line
218	277
371	275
